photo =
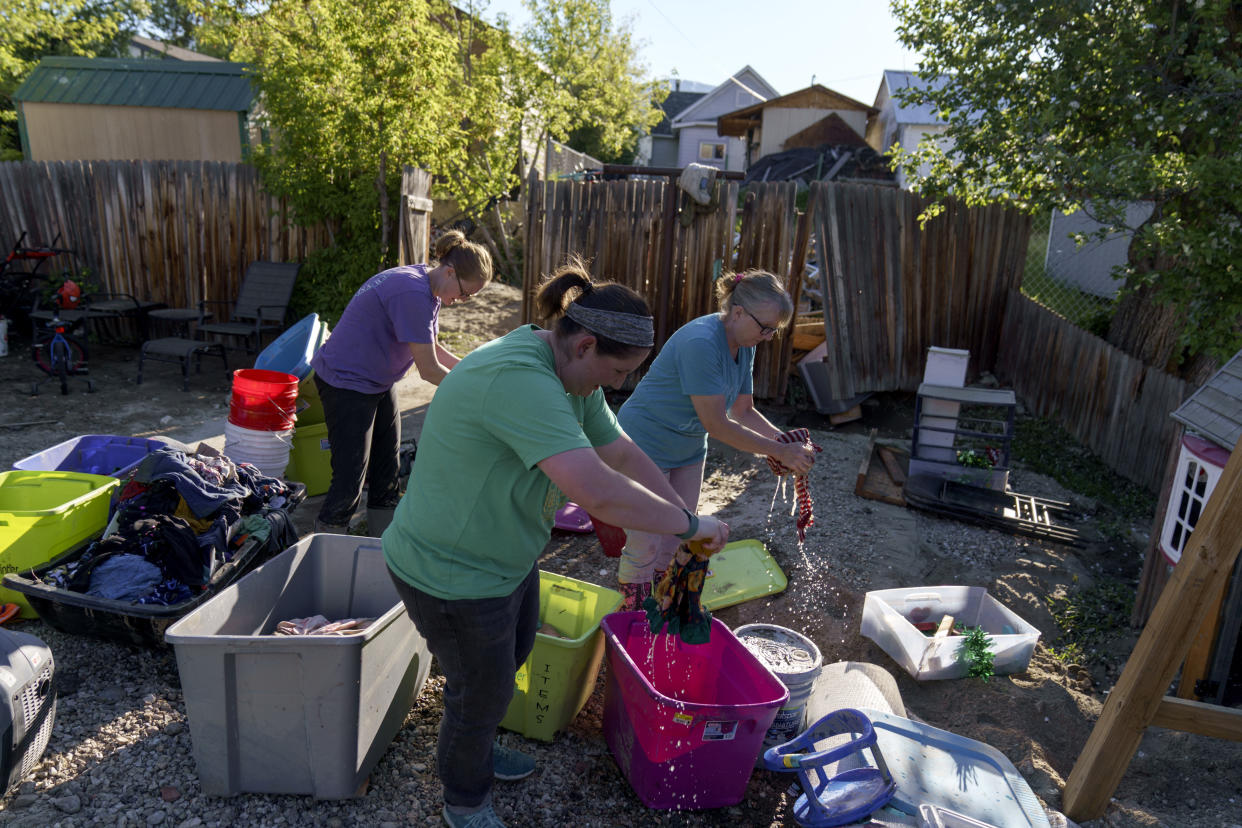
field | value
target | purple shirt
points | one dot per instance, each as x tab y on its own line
369	349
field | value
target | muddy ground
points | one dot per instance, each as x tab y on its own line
1039	718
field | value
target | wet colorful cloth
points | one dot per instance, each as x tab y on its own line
319	625
806	516
675	603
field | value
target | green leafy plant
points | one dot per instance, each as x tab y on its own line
1089	617
974	459
1047	448
976	652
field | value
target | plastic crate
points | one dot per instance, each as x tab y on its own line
108	454
299	714
44	513
559	676
141	624
889	616
310	458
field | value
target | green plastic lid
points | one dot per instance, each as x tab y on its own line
741	572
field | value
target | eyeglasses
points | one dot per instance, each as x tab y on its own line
461	289
764	330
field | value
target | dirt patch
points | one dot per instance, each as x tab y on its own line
1039	719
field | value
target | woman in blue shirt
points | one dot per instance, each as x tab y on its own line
700	385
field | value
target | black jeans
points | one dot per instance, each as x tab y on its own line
364	431
479	644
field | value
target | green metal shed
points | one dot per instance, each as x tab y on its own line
72	108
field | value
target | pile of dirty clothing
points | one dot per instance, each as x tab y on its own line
179	518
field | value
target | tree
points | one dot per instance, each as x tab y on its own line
182	23
577	76
1068	103
352	90
34	29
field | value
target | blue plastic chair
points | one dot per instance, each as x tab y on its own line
849	796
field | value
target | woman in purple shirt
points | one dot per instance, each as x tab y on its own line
391	323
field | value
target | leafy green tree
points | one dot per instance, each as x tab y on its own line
183	23
577	78
34	29
1068	103
351	91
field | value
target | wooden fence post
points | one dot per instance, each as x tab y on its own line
1138	698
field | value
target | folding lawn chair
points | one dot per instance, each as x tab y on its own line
260	306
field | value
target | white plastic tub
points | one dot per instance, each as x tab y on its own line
889	616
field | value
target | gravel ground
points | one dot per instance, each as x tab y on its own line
120	753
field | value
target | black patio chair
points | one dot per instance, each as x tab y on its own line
260	306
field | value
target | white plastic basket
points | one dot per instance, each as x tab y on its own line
889	616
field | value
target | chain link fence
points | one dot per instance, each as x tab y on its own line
1075	282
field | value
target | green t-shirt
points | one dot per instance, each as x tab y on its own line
478	511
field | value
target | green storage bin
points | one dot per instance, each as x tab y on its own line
310	407
559	676
45	513
310	458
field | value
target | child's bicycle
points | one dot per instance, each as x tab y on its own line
59	354
17	285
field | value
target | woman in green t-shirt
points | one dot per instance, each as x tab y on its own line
517	426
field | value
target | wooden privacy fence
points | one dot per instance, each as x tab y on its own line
414	217
169	231
1111	402
627	233
772	238
892	288
618	227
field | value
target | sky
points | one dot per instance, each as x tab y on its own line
844	45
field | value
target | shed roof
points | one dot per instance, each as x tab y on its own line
914	114
212	85
1215	410
812	97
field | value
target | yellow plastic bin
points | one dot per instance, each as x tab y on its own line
559	677
310	407
45	513
310	459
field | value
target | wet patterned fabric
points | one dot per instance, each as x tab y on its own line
674	605
806	516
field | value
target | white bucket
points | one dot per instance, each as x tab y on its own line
266	450
795	660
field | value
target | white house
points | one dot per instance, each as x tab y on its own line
898	123
695	126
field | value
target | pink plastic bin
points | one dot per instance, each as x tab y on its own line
684	722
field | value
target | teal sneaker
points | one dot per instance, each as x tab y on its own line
483	818
509	764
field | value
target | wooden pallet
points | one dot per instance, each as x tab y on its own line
882	473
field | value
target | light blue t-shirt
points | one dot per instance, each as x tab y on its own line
659	416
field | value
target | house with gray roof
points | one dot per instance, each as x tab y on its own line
659	147
699	140
895	122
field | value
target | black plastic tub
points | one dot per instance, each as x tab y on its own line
142	624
